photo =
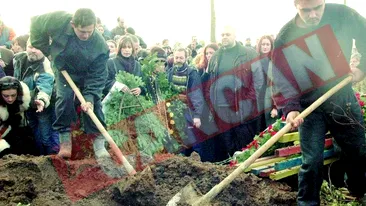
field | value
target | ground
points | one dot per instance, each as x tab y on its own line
48	180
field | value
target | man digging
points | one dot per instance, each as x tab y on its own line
347	25
83	53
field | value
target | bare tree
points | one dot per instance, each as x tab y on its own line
213	22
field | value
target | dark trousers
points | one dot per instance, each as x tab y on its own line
204	144
342	117
189	132
65	107
235	135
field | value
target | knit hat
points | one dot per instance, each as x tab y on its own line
160	53
6	55
161	56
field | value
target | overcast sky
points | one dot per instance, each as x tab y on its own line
176	20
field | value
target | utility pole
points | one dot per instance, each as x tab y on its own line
213	22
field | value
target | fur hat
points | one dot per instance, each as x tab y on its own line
4	145
4	114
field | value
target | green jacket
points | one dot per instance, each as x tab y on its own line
241	57
85	59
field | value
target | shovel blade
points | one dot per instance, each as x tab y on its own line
188	195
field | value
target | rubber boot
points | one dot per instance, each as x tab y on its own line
105	160
99	147
65	145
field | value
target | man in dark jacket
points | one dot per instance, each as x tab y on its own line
120	29
347	25
187	82
233	95
83	53
34	69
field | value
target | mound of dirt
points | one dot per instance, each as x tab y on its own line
158	186
51	181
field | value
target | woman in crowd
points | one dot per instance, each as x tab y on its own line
14	100
124	61
207	147
207	54
112	48
264	49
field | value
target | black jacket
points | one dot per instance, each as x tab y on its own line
115	65
347	25
78	58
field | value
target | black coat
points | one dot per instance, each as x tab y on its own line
117	64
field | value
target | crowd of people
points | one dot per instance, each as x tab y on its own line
36	95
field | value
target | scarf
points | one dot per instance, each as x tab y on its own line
128	63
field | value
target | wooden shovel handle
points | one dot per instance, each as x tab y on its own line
100	127
223	184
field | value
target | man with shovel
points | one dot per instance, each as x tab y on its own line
340	114
76	48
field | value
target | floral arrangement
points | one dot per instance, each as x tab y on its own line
121	106
175	107
177	122
149	65
259	140
149	134
264	136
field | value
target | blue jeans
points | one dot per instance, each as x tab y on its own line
47	141
342	117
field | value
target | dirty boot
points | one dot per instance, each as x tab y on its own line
105	160
65	145
99	147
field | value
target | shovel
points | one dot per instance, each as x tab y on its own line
103	131
191	190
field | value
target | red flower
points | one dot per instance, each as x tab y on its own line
233	163
283	118
270	127
255	144
362	103
244	148
261	134
273	133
